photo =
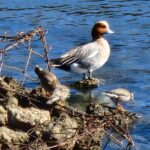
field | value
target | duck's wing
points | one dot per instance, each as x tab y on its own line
78	53
110	94
120	92
117	92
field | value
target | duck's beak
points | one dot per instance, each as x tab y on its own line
110	31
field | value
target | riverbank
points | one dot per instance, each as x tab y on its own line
27	122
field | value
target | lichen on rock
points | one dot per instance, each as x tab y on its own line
3	116
87	83
11	137
28	117
63	128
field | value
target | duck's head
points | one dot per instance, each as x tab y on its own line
47	76
37	69
99	29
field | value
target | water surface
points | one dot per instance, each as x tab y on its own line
69	24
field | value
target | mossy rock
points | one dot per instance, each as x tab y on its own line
87	83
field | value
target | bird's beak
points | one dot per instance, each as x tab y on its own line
110	31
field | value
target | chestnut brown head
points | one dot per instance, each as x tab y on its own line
99	29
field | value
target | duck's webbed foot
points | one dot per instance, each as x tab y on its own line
88	76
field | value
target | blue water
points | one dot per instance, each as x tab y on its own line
69	24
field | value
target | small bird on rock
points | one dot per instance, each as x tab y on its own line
120	94
86	58
50	83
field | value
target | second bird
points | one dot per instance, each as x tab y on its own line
86	58
50	83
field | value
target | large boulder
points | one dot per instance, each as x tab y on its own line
27	117
63	128
11	137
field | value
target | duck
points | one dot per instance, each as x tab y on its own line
120	94
86	58
50	83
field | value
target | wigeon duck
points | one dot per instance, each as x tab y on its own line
120	94
88	57
50	83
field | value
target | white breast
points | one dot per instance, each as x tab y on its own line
103	55
104	51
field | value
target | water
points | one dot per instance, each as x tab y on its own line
69	24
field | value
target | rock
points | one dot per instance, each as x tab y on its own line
3	116
95	108
37	145
65	128
95	140
119	115
11	137
38	92
3	83
87	83
27	117
9	83
13	84
11	101
61	127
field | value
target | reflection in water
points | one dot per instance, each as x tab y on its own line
69	24
82	98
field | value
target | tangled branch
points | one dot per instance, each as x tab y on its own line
24	39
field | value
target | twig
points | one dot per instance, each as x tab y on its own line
24	39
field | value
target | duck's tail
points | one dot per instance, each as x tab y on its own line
59	64
55	62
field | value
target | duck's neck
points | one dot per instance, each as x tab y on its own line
97	37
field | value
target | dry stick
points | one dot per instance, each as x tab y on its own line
65	142
4	97
1	66
18	69
125	136
36	53
7	37
30	131
8	47
109	139
43	39
126	132
20	39
117	142
1	61
28	60
75	139
15	68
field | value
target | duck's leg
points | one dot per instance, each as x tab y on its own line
90	74
85	77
